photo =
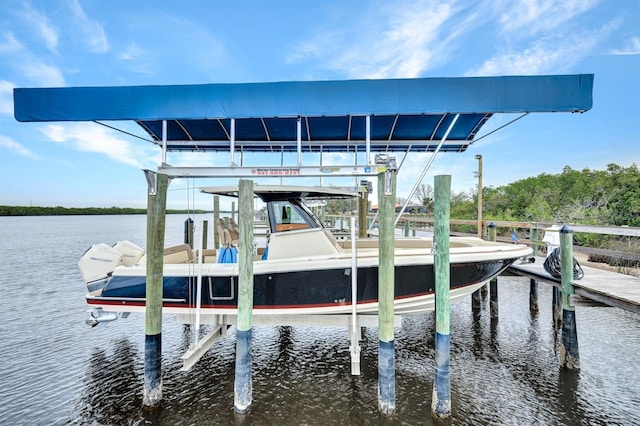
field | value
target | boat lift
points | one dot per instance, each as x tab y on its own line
382	116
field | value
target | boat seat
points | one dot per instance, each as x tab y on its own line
234	232
181	253
302	243
225	235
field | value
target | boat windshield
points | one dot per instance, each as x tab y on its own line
287	215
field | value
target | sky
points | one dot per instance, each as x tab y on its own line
69	43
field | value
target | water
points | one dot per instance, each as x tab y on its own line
56	370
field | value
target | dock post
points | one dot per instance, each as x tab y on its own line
556	301
441	396
156	212
233	210
205	234
569	354
533	284
188	232
216	220
362	212
386	289
493	284
242	388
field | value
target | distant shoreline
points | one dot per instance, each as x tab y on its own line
80	211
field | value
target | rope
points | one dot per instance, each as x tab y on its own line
554	267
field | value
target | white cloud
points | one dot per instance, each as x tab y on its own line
44	74
45	30
393	42
528	17
631	47
29	65
92	33
9	44
6	97
90	137
16	148
553	54
132	53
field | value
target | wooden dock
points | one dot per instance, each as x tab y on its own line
606	287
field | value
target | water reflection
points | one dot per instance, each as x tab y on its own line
112	385
503	372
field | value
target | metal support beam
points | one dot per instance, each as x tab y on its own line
270	172
426	167
193	355
354	347
367	141
164	142
232	143
299	140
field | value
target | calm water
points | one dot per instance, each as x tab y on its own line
57	370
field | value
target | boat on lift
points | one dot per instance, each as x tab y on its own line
304	269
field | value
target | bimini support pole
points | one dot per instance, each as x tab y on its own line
427	167
232	142
441	397
156	211
569	354
386	290
242	387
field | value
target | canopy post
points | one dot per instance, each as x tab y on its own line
386	290
367	140
569	354
299	140
441	397
156	211
232	142
242	385
164	141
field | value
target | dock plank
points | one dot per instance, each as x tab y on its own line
611	288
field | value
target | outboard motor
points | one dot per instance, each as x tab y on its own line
100	260
552	238
98	316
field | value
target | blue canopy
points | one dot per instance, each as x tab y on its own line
405	114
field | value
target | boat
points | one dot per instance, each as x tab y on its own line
302	270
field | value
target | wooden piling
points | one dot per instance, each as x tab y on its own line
363	206
156	212
493	284
386	289
188	232
216	220
441	397
533	284
569	354
242	386
205	234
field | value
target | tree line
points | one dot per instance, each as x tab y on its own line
71	211
596	197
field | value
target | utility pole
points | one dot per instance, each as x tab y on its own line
479	176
